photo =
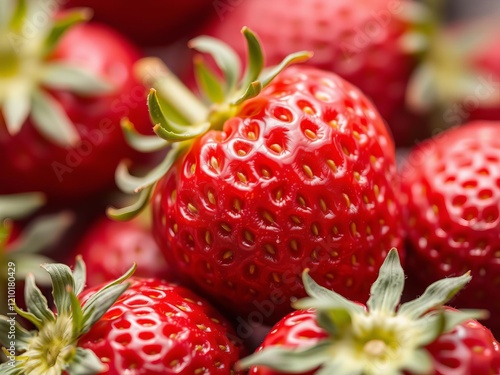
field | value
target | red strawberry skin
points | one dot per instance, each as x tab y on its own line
32	163
359	40
157	328
451	185
302	177
110	246
469	349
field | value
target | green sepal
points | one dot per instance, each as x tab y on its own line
52	121
420	362
36	302
297	57
19	16
169	130
255	58
16	108
226	59
76	312
42	232
170	136
139	142
132	184
22	335
62	279
430	326
100	302
207	81
435	295
454	318
386	291
17	206
287	360
79	274
63	24
131	211
85	362
252	91
7	369
334	321
72	78
321	298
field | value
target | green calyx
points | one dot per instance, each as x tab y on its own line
179	116
386	338
52	348
29	32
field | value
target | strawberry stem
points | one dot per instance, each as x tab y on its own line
154	73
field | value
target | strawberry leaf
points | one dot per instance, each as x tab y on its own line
52	120
208	81
63	24
255	58
435	295
17	206
85	363
270	74
62	279
17	107
288	360
225	58
139	142
60	76
386	291
129	212
132	184
79	275
37	303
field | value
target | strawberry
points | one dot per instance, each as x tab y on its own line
332	335
144	326
161	22
359	40
298	174
109	246
63	91
451	188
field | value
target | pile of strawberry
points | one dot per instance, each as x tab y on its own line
265	221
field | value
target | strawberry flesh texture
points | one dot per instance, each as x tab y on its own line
28	157
452	184
109	247
469	348
243	228
359	40
157	328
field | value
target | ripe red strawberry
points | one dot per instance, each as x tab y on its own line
298	175
63	91
151	328
160	22
109	246
451	185
359	40
342	337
